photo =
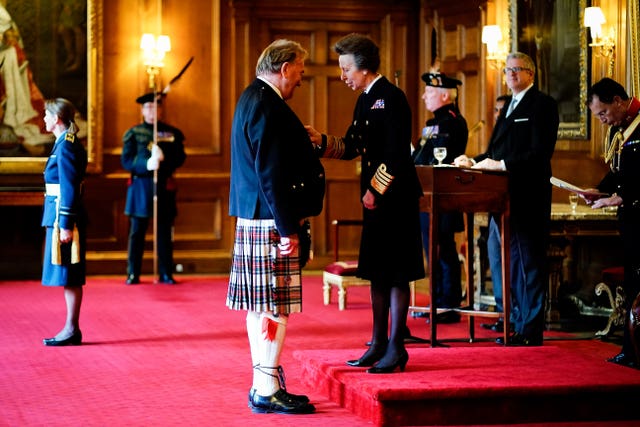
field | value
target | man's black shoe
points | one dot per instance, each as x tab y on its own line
279	403
498	326
446	317
166	279
518	340
624	360
132	279
290	396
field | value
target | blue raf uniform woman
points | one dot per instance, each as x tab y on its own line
64	217
391	246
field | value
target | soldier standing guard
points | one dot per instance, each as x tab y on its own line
141	156
447	128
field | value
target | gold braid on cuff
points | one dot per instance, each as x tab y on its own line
335	147
382	179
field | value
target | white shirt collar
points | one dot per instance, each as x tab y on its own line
272	85
520	94
378	77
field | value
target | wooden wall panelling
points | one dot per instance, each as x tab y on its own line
203	230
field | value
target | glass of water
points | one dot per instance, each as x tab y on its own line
440	153
573	201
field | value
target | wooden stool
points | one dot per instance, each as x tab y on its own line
341	274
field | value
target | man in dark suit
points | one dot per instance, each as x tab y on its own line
141	156
277	180
522	143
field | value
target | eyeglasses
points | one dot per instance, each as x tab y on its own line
514	69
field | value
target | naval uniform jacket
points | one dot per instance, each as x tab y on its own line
275	172
447	129
391	243
135	153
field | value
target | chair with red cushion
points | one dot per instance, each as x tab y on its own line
341	273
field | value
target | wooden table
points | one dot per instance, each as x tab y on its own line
451	189
582	243
21	196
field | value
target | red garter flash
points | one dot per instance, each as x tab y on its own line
269	329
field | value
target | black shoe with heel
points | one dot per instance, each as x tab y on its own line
75	339
400	362
369	358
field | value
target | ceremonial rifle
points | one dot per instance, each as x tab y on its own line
155	172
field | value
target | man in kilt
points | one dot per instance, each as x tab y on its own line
277	181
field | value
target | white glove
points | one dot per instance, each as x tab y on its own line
153	163
156	151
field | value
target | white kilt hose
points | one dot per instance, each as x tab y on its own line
262	279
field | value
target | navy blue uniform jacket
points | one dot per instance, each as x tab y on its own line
135	153
66	166
391	244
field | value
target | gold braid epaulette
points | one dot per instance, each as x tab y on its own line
612	147
70	137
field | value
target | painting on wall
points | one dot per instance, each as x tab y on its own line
48	49
551	32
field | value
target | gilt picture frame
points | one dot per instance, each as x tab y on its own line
551	33
58	46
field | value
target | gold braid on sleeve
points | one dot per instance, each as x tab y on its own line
381	179
335	147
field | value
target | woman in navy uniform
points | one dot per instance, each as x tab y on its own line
142	157
64	217
391	246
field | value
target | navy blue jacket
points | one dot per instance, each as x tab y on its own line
67	165
525	141
275	172
391	245
135	153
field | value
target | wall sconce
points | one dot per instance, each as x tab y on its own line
154	50
492	37
605	45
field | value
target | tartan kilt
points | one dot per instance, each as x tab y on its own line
262	279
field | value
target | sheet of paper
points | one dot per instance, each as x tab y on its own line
574	189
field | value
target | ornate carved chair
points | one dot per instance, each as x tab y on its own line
612	280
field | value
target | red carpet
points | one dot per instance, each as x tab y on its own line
157	355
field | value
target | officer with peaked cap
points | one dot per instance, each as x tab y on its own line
446	129
141	157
